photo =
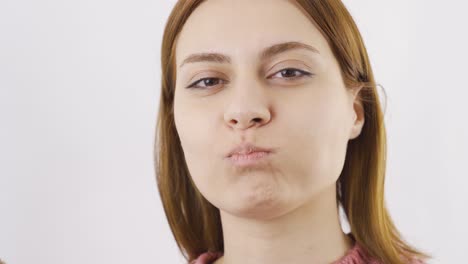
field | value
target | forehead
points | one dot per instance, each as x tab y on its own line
242	28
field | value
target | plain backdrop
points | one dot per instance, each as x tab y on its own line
79	93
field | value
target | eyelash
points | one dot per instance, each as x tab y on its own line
303	74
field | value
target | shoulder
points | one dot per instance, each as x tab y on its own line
207	257
417	261
358	255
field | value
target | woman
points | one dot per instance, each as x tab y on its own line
270	120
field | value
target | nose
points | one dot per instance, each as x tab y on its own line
246	119
247	109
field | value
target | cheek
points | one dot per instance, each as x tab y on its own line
194	126
197	137
320	136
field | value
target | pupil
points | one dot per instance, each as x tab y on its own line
288	72
209	81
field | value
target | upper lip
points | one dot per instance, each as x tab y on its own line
247	148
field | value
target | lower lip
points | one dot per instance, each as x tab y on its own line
248	159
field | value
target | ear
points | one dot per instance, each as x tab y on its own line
358	113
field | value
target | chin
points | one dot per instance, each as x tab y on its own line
260	205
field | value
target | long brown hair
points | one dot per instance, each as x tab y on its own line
195	222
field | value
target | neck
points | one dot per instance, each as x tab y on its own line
310	233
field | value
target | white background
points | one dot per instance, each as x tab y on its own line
79	93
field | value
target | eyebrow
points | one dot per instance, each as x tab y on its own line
265	54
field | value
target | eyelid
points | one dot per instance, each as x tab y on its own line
294	64
291	63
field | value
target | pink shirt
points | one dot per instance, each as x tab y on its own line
355	255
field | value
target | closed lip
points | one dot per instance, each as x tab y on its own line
247	148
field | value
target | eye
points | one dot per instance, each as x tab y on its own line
208	82
288	73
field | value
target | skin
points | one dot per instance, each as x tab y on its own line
283	210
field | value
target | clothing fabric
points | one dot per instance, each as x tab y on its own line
355	255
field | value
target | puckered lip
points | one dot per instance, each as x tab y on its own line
247	148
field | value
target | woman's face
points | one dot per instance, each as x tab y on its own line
307	118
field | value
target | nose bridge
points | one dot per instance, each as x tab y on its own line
247	101
247	86
249	78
